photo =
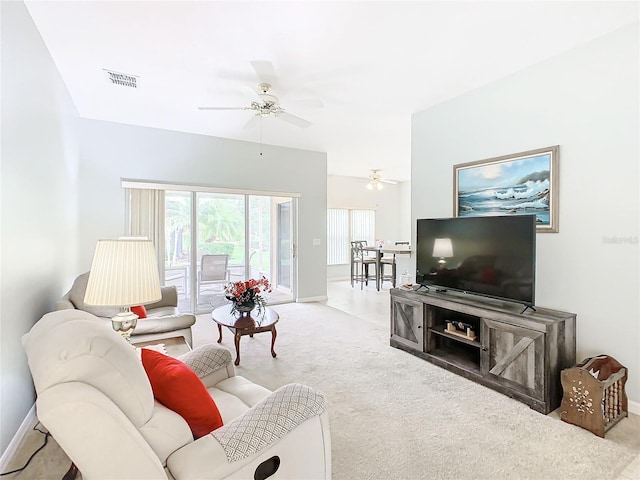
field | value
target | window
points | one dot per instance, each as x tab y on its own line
345	225
337	236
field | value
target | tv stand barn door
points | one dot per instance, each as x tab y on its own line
407	322
513	357
519	354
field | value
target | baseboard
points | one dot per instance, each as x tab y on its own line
634	407
312	299
13	446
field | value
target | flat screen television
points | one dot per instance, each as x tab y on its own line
493	256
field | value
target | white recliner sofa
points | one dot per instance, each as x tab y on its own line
162	316
94	396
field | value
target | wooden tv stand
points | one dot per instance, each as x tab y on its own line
519	354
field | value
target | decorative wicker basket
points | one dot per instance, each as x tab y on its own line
594	396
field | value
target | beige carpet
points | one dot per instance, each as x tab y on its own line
394	416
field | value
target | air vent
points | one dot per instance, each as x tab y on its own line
124	79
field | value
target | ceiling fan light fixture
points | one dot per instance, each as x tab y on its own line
374	184
375	180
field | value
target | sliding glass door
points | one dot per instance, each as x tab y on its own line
284	248
213	238
220	250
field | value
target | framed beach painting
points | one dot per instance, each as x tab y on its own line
518	184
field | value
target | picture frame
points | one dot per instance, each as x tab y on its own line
516	184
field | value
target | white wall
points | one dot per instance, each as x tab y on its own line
39	173
392	206
587	102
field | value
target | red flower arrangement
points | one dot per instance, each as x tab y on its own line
246	294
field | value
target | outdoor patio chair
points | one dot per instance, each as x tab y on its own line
214	270
240	271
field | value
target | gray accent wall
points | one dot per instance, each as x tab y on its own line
587	102
111	152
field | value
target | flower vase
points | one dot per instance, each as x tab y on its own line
245	308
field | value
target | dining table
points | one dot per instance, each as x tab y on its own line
380	250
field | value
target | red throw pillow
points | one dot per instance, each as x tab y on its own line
140	311
177	387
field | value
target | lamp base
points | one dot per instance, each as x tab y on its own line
125	323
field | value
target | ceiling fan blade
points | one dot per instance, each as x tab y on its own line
252	122
307	103
221	108
391	182
265	70
252	94
292	119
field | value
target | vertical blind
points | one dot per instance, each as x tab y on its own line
337	236
363	225
343	226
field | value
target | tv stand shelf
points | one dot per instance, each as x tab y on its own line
520	354
440	330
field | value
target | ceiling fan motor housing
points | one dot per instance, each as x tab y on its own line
264	87
269	99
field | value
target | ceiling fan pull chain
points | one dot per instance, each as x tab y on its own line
261	135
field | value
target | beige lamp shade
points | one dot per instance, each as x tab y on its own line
443	248
124	273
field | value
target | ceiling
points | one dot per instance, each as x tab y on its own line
372	64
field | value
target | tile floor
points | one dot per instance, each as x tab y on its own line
372	305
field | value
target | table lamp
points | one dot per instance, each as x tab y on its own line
124	273
442	248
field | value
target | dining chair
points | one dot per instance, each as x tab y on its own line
389	261
360	262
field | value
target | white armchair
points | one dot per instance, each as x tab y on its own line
95	398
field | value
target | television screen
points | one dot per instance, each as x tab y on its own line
492	256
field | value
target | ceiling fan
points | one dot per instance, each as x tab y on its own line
376	180
264	104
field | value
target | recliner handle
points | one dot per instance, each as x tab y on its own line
267	468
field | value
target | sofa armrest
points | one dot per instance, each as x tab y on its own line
169	298
291	425
269	420
64	304
211	363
